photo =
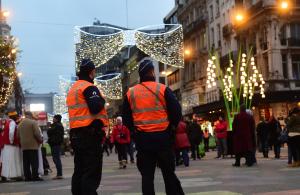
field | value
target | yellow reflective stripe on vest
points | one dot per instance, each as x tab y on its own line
76	94
80	118
142	110
76	106
159	108
150	122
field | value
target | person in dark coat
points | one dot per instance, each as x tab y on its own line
243	131
263	136
195	135
55	140
182	144
274	129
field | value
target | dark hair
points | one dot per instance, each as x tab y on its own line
242	108
58	117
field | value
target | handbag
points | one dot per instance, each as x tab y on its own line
284	136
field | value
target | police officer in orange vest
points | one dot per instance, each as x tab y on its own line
150	109
87	117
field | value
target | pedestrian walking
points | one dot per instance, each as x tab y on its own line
274	129
206	139
30	138
182	144
87	116
221	134
263	135
151	109
243	127
293	127
11	153
195	135
55	140
121	138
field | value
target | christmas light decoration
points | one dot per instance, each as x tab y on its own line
110	85
239	86
163	43
8	56
101	46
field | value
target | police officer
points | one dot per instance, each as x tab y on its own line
150	108
87	117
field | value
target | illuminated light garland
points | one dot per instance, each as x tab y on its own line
60	105
110	85
166	46
101	43
65	85
101	46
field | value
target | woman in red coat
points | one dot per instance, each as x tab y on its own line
182	144
221	134
121	137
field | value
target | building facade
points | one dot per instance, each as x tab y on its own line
272	34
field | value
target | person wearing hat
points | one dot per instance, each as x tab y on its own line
55	140
11	152
152	111
87	117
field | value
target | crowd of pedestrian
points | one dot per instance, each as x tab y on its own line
21	156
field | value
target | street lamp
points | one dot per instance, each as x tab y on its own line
284	6
187	52
5	14
19	74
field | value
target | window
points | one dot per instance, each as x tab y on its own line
295	34
285	68
296	68
202	40
212	34
211	9
217	8
162	80
173	78
161	67
219	35
283	35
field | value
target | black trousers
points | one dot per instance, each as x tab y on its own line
206	144
88	162
146	163
122	151
195	150
295	147
30	164
248	156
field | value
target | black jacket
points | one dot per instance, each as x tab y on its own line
262	130
195	133
155	140
56	134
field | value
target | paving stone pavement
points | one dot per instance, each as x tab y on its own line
208	176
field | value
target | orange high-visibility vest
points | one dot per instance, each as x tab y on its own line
148	110
79	113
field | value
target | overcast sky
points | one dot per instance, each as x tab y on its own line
45	32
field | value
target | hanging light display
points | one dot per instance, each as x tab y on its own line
163	43
110	85
99	46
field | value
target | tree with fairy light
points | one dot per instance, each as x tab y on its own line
8	59
238	82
